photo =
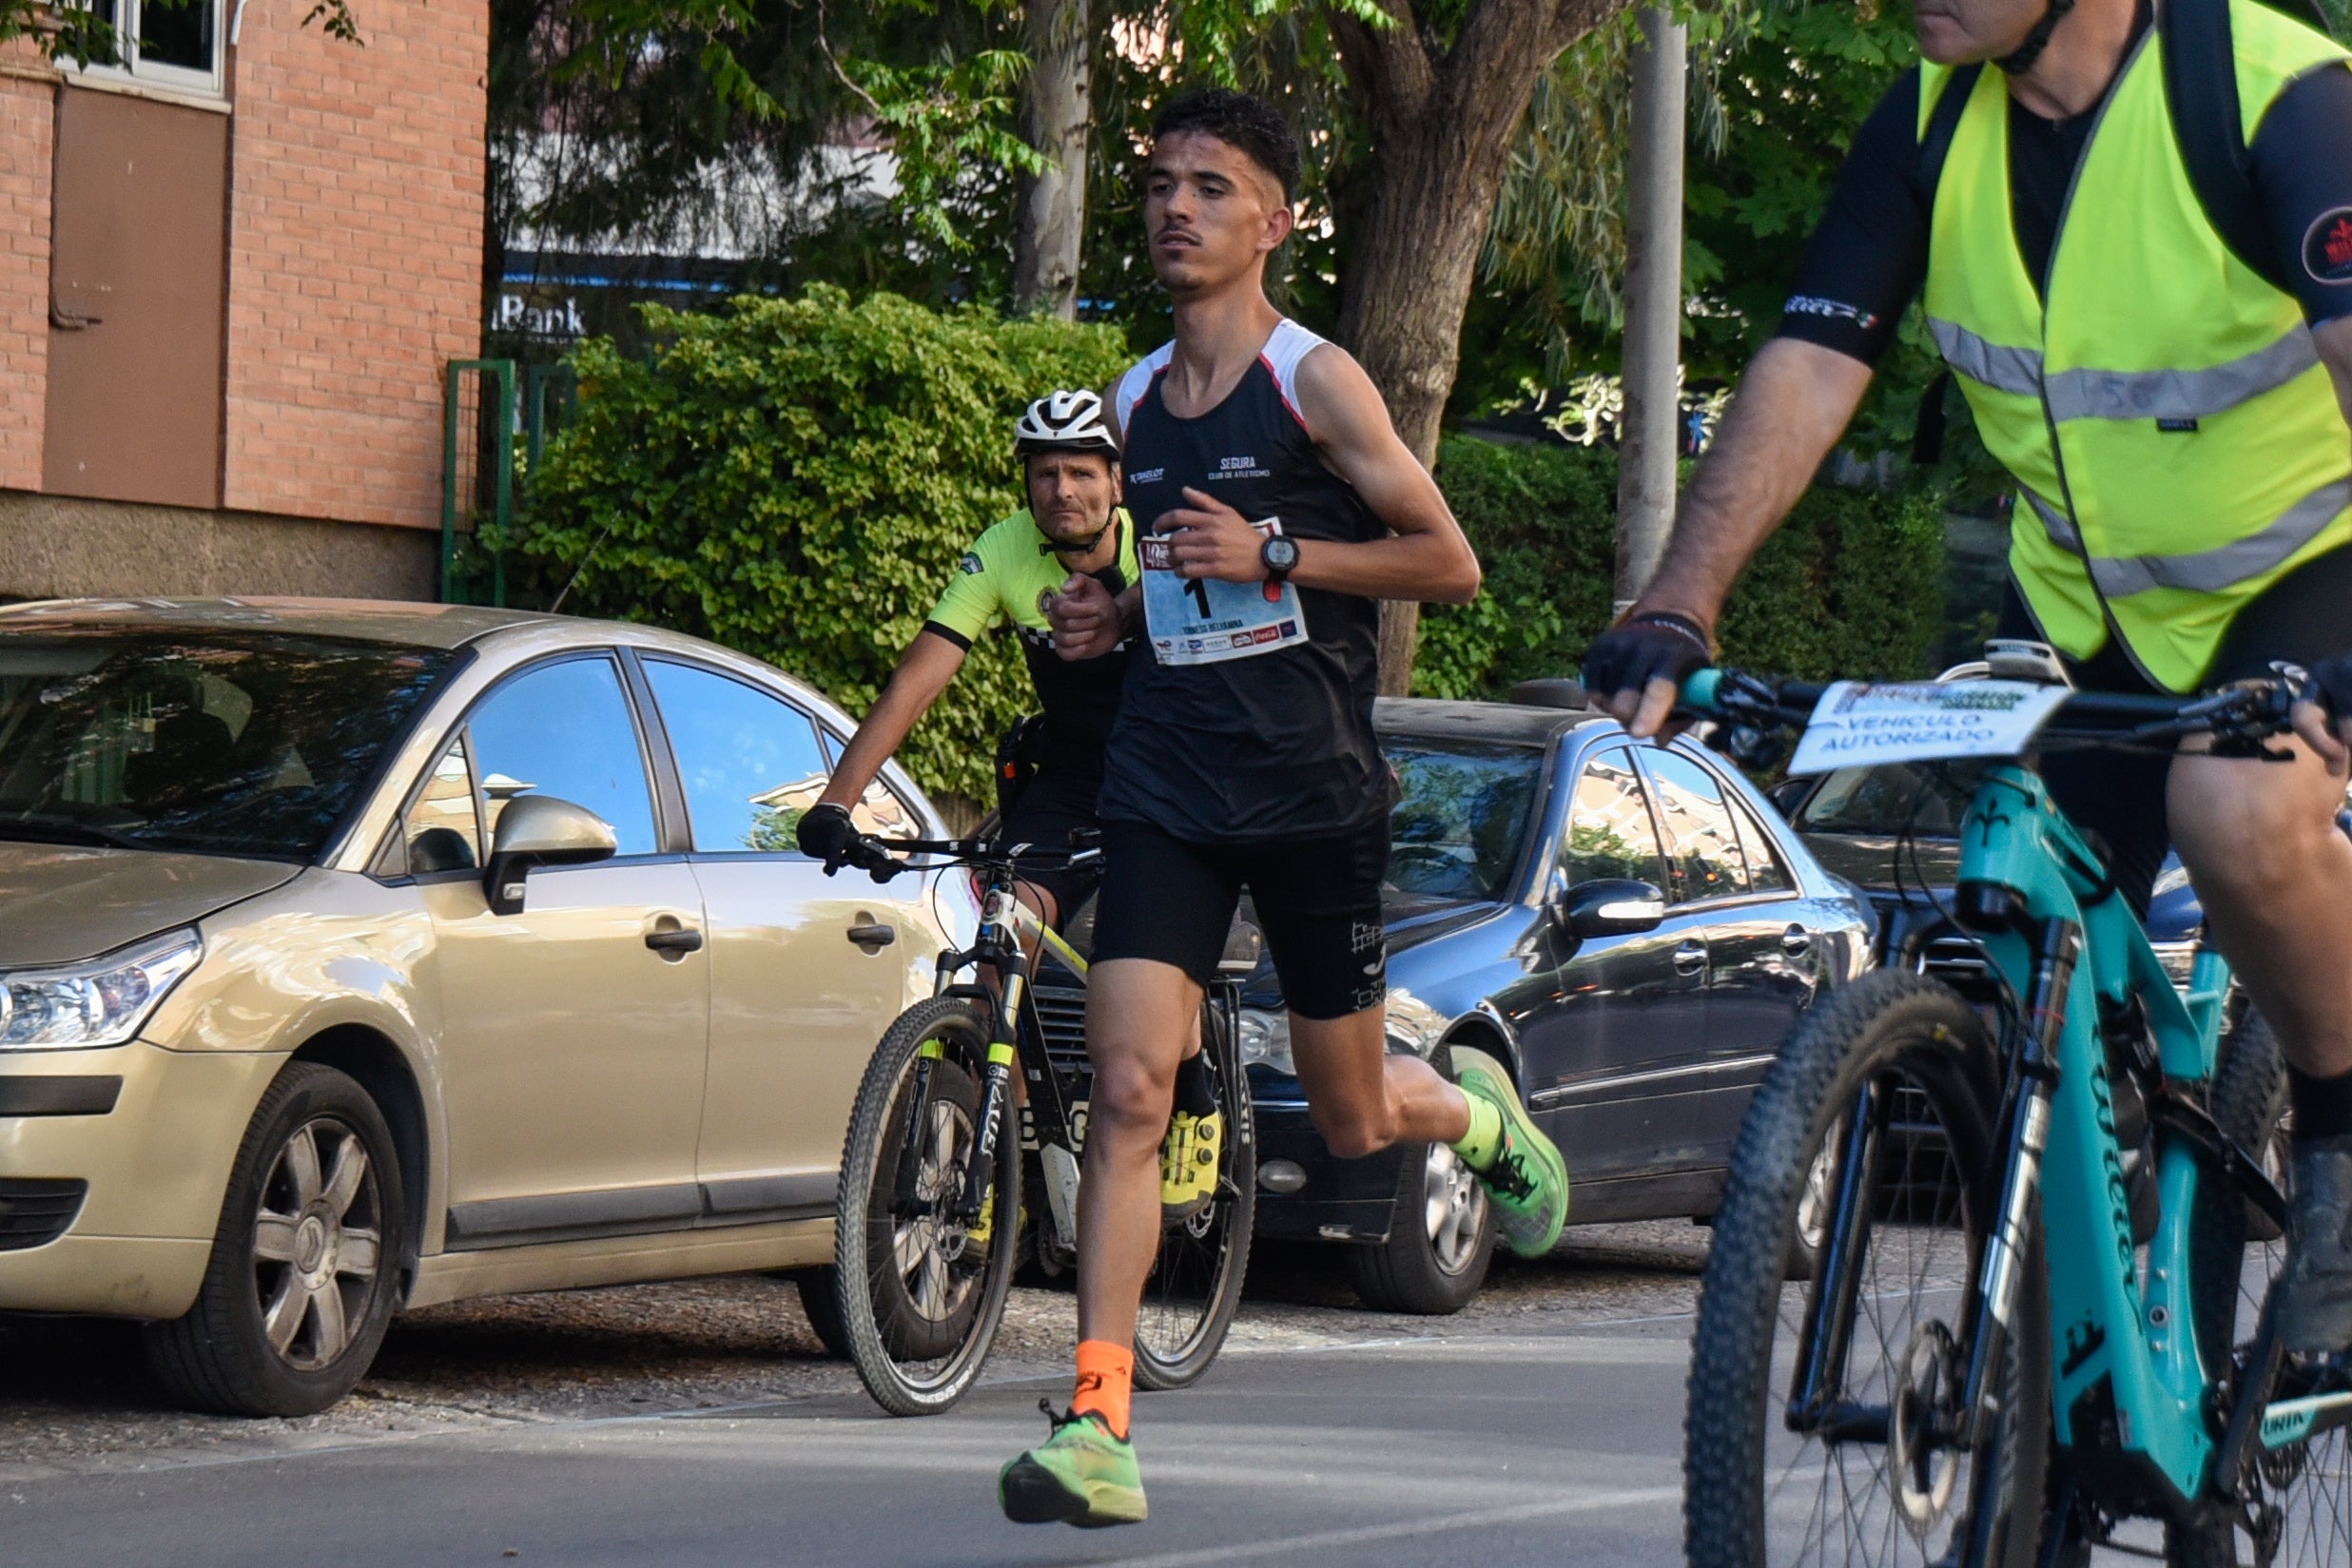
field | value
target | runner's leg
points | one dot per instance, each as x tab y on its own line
1139	1017
1364	1097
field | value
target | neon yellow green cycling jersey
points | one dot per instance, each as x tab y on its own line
1005	579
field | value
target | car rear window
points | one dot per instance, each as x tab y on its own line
209	742
1461	816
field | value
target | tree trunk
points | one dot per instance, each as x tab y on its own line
1651	431
1057	113
1440	125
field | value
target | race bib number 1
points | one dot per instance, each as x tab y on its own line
1198	621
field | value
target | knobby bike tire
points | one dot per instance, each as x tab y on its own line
2232	1273
1930	1210
1195	1287
913	1363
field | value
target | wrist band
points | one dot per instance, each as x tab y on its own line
1669	620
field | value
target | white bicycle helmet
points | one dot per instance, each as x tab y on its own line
1064	422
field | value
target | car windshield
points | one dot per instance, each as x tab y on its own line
1925	799
1461	817
212	742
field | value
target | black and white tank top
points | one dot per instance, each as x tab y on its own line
1275	742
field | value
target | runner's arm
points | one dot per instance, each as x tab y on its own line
1426	559
932	661
2335	343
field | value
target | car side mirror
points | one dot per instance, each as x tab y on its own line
1614	907
540	830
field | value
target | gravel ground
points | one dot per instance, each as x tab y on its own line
74	1396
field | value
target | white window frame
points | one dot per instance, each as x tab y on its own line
209	83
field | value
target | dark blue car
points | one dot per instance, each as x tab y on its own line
1637	1049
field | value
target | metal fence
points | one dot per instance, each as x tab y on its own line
482	415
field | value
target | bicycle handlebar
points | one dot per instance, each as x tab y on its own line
879	857
2245	711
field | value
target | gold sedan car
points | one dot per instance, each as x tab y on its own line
356	956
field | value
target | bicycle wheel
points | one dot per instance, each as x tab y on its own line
2303	1491
1194	1288
919	1301
1902	1069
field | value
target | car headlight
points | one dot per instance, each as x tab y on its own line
1266	1037
102	1001
1413	1026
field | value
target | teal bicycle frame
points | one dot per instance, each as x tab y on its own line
2135	1417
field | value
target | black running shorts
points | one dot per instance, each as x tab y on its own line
1317	901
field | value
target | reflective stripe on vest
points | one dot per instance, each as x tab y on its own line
2166	416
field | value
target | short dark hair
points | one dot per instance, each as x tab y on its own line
1242	120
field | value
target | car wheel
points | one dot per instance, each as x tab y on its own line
1814	1203
822	1303
306	1261
1441	1238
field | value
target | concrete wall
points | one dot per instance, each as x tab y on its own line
63	547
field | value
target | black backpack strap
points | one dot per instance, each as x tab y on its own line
1945	123
2201	86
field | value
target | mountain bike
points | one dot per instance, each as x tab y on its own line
2034	1313
934	1209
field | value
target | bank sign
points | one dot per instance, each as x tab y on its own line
554	321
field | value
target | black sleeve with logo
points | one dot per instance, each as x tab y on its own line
2303	166
1868	255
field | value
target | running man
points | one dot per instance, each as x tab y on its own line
1278	508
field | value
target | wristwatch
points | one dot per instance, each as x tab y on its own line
1280	557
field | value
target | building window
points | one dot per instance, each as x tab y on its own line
177	45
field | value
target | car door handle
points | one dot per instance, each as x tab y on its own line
674	942
1691	956
1797	942
873	938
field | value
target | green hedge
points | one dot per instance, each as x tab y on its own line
796	478
1851	584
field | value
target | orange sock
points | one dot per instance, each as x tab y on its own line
1105	1381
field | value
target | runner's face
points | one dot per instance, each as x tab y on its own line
1954	32
1211	214
1071	494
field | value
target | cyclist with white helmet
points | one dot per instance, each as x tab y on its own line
1072	527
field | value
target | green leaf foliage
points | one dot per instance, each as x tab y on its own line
797	478
1851	585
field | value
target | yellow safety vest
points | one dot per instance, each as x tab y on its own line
2178	442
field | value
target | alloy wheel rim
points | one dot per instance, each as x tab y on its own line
318	1244
928	1244
1453	1208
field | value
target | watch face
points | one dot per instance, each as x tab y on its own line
1280	554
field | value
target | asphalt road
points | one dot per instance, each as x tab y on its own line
1490	1448
698	1423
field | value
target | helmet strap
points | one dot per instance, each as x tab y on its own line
1085	546
2020	60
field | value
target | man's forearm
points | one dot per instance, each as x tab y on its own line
1792	404
2334	340
1434	568
921	676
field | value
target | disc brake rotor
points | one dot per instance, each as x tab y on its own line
1920	1459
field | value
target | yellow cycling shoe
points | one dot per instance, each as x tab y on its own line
1188	1159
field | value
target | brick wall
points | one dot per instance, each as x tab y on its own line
355	255
27	123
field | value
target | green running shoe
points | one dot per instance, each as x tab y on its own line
1527	1179
1081	1475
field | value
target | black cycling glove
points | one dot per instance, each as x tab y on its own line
826	833
2331	686
1656	646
